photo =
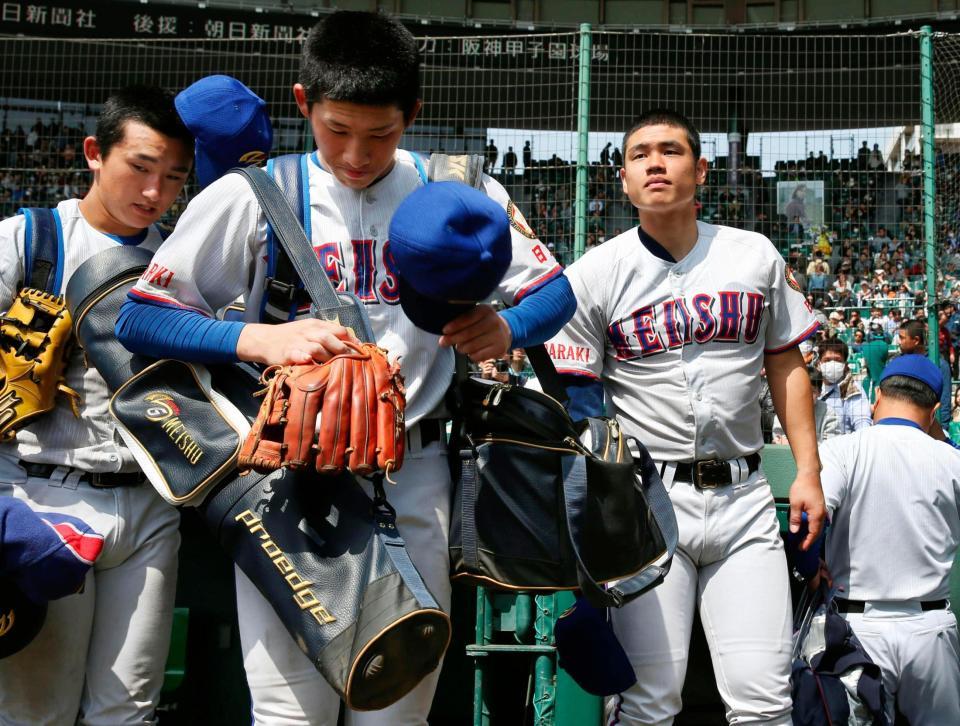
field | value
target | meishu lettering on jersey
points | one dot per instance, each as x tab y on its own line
731	316
365	266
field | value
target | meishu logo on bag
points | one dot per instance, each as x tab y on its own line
305	597
165	412
6	622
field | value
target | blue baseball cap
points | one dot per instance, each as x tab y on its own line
915	366
43	556
588	649
229	122
451	246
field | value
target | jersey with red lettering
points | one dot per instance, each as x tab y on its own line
218	254
680	345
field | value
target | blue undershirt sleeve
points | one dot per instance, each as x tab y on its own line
584	396
159	331
539	315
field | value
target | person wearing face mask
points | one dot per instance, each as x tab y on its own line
843	395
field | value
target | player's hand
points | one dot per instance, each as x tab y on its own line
294	343
806	495
479	334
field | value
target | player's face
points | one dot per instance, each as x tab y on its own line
659	172
356	142
137	181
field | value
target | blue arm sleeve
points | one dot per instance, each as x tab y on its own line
164	332
539	315
584	396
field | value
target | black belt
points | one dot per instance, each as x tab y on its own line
431	429
856	606
711	473
104	480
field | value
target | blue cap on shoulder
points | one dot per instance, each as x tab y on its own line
229	122
451	245
915	366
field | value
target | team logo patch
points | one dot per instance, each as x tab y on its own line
252	157
518	222
166	412
791	281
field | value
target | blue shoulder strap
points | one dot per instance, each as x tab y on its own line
283	292
42	249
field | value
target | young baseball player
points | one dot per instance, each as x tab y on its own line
359	89
675	319
100	654
893	494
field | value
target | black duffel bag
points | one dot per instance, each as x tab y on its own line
546	503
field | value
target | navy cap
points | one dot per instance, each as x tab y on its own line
915	366
229	122
589	651
451	245
43	556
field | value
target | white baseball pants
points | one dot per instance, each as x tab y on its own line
730	565
101	653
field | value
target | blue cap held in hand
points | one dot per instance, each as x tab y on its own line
915	366
588	649
229	122
43	556
451	246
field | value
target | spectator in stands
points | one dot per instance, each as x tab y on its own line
875	161
509	163
955	417
605	154
527	155
912	337
875	351
893	322
842	394
817	272
825	420
617	157
492	153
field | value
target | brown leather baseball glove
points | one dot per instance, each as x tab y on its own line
35	339
344	413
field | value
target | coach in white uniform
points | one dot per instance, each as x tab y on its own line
676	319
893	493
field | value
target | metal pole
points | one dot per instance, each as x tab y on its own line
929	190
583	139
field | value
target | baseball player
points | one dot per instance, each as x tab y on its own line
893	494
359	89
100	654
675	319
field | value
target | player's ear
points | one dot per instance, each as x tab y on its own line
623	179
300	96
409	119
91	152
701	171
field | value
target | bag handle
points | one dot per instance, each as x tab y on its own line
652	488
329	304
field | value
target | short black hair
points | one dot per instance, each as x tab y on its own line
150	105
834	344
361	57
905	388
915	329
666	117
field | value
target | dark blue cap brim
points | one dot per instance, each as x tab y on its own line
428	313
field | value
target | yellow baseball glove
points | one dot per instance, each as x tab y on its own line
35	339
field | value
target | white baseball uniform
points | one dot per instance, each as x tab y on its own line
678	347
218	254
893	494
100	653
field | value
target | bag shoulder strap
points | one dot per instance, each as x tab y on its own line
655	494
43	249
327	302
